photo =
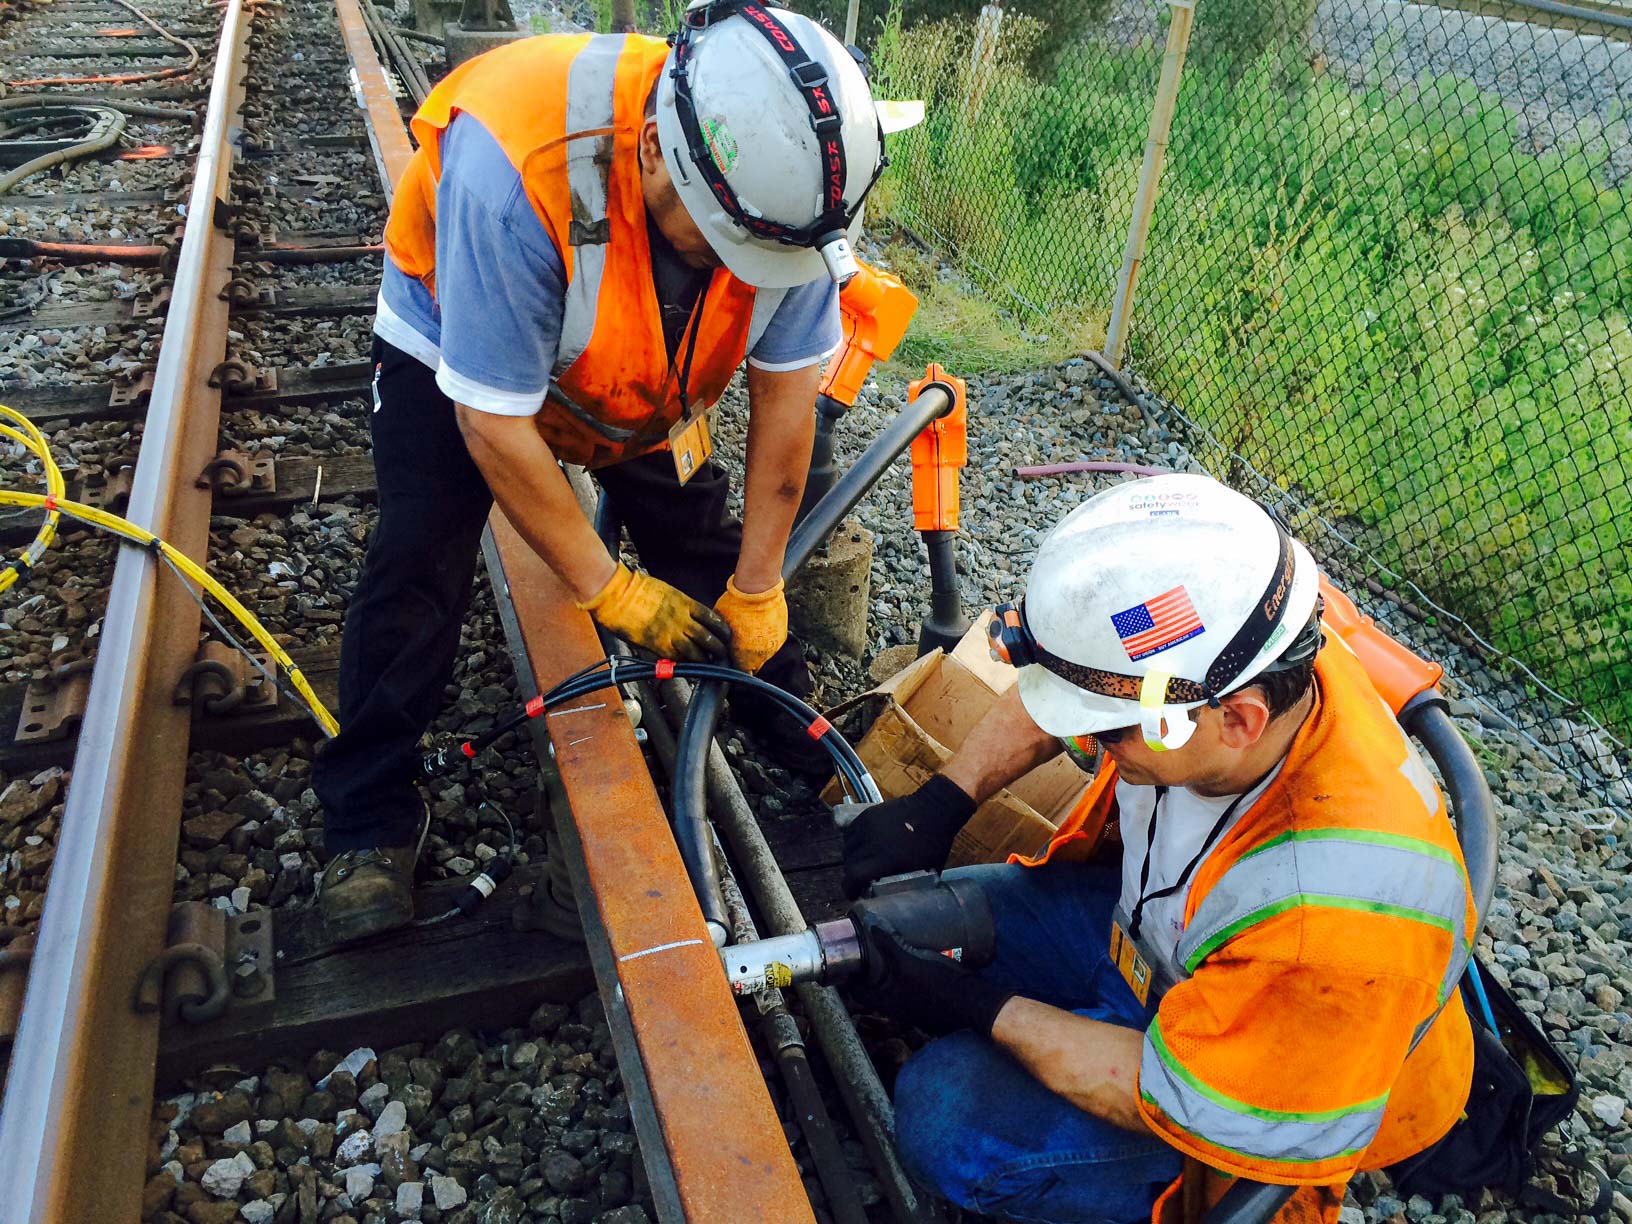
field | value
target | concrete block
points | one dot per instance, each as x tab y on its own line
463	44
829	598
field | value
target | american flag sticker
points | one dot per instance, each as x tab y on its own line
1157	624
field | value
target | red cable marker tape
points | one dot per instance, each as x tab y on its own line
818	728
664	669
50	501
535	707
467	749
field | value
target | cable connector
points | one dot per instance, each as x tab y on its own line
482	886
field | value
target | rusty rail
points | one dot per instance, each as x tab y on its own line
712	1144
386	134
81	1078
710	1138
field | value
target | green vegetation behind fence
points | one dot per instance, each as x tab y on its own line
1370	282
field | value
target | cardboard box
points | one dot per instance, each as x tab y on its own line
910	725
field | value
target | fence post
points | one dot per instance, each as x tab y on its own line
1144	202
851	15
983	59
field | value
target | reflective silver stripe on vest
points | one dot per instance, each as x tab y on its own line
1263	1134
1338	868
590	81
765	303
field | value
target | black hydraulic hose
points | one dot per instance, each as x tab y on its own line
620	669
777	1025
145	109
823	468
946	623
703	714
1427	718
688	791
933	402
692	833
105	127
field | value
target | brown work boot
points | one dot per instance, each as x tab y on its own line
368	891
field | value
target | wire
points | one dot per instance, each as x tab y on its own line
99	128
129	78
56	505
616	670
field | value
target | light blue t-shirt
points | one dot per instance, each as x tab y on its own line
491	331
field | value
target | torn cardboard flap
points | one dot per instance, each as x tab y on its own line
920	716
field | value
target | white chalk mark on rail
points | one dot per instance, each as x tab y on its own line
679	943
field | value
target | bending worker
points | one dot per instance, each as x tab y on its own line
595	233
1245	986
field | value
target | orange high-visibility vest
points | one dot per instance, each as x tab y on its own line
567	111
1321	934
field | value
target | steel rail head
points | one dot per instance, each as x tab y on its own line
386	135
82	1064
712	1144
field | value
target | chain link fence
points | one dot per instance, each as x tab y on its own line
1389	268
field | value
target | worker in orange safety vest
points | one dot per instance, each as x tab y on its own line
595	233
1265	982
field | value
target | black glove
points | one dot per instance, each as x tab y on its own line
912	833
926	989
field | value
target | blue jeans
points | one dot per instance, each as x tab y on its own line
976	1126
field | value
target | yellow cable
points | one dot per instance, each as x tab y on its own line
54	504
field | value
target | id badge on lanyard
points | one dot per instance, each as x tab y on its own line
690	444
689	441
1134	968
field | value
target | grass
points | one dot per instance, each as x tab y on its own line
1385	299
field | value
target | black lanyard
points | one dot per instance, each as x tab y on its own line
696	323
1184	876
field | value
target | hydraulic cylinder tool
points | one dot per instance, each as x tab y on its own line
875	309
949	916
939	453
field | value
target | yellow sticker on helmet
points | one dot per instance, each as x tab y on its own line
1152	698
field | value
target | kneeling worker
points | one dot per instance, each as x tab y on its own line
1246	986
595	233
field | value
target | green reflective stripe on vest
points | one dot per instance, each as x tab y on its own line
1388	876
1370	836
1322	900
1291	1136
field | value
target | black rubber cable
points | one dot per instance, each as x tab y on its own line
608	673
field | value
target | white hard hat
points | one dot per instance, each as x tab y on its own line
1155	597
771	137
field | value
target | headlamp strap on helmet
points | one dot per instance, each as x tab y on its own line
1262	620
811	79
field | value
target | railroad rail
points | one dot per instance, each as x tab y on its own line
82	1061
85	1055
82	1071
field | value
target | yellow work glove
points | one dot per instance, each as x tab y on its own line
653	614
759	623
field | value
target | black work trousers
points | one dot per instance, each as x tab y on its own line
402	626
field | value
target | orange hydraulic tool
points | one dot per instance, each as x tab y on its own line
939	453
1397	673
875	309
